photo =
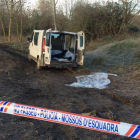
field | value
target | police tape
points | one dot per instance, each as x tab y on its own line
66	118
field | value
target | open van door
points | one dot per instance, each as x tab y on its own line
48	47
81	47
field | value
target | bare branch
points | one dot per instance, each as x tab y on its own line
56	2
7	6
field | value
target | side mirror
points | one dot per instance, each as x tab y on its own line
28	39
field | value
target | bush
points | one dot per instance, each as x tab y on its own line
134	29
123	53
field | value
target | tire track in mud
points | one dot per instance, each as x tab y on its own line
20	71
30	66
24	60
15	55
26	63
120	98
35	95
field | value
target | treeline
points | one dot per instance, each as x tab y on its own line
95	19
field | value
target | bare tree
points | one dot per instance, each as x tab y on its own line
10	7
2	13
2	25
96	20
11	19
66	7
129	7
54	13
21	20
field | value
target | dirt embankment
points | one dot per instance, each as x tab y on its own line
20	82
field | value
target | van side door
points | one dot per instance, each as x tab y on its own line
80	47
48	47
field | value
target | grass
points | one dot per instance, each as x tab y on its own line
123	54
94	44
120	58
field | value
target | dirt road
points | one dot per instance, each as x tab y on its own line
20	82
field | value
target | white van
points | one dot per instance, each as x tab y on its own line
56	48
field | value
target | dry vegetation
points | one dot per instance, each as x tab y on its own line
121	57
97	20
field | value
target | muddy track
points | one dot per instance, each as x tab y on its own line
115	97
22	83
120	99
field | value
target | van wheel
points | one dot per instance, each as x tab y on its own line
29	56
38	65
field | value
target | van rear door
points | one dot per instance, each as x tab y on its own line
48	47
81	47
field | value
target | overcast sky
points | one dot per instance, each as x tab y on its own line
34	2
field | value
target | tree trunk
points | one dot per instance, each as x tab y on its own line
17	31
2	26
21	21
54	14
11	20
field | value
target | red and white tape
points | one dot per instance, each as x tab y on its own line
66	118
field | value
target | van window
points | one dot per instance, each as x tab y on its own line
36	39
48	39
81	41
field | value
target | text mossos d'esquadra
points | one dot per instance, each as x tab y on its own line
65	118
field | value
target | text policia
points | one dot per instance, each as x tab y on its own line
76	120
65	118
